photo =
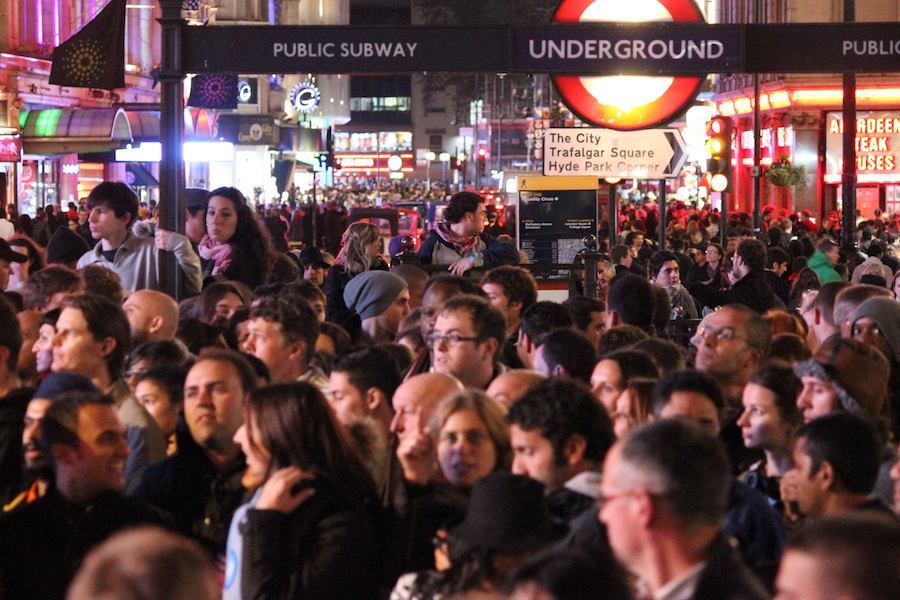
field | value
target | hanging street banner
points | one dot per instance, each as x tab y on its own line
604	153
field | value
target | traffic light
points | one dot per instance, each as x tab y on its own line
459	163
482	162
718	166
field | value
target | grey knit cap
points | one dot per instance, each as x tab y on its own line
886	314
370	293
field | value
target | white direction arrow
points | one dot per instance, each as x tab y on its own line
605	153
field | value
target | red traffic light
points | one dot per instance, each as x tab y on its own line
482	152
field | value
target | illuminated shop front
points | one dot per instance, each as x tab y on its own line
805	125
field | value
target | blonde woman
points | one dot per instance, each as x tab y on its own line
360	252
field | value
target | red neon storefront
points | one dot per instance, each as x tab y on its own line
795	122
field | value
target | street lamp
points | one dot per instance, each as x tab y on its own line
445	158
429	158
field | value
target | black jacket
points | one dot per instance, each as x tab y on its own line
726	577
779	286
327	549
12	418
494	254
752	291
336	310
43	543
188	486
242	269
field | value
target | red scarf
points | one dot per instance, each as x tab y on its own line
463	245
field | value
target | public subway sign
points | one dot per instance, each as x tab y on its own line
604	153
563	48
822	48
877	147
625	48
343	49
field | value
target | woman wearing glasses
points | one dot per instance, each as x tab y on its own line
712	270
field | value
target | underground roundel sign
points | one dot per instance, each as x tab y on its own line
627	103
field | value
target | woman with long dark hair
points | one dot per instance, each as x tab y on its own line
235	245
309	530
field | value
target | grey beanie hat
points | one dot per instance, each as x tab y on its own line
370	293
886	314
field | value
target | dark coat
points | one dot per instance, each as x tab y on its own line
242	269
780	287
12	418
327	549
758	529
752	291
494	254
42	543
336	310
726	577
201	499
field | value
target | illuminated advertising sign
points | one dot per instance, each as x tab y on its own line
305	97
383	141
10	149
374	162
877	147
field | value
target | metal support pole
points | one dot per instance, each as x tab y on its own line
723	220
848	176
661	209
757	142
613	216
171	137
591	258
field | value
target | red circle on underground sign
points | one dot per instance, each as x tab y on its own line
648	101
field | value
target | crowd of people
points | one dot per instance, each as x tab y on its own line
308	424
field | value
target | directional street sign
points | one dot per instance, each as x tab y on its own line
604	153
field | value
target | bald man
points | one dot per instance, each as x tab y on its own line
152	315
416	399
508	387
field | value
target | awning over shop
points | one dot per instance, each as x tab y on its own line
74	130
138	176
198	124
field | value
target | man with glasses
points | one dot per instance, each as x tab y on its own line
460	242
731	342
465	340
663	499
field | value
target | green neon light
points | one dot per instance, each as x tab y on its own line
45	125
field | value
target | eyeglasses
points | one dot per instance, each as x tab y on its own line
721	334
451	340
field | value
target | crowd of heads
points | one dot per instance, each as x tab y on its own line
544	448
